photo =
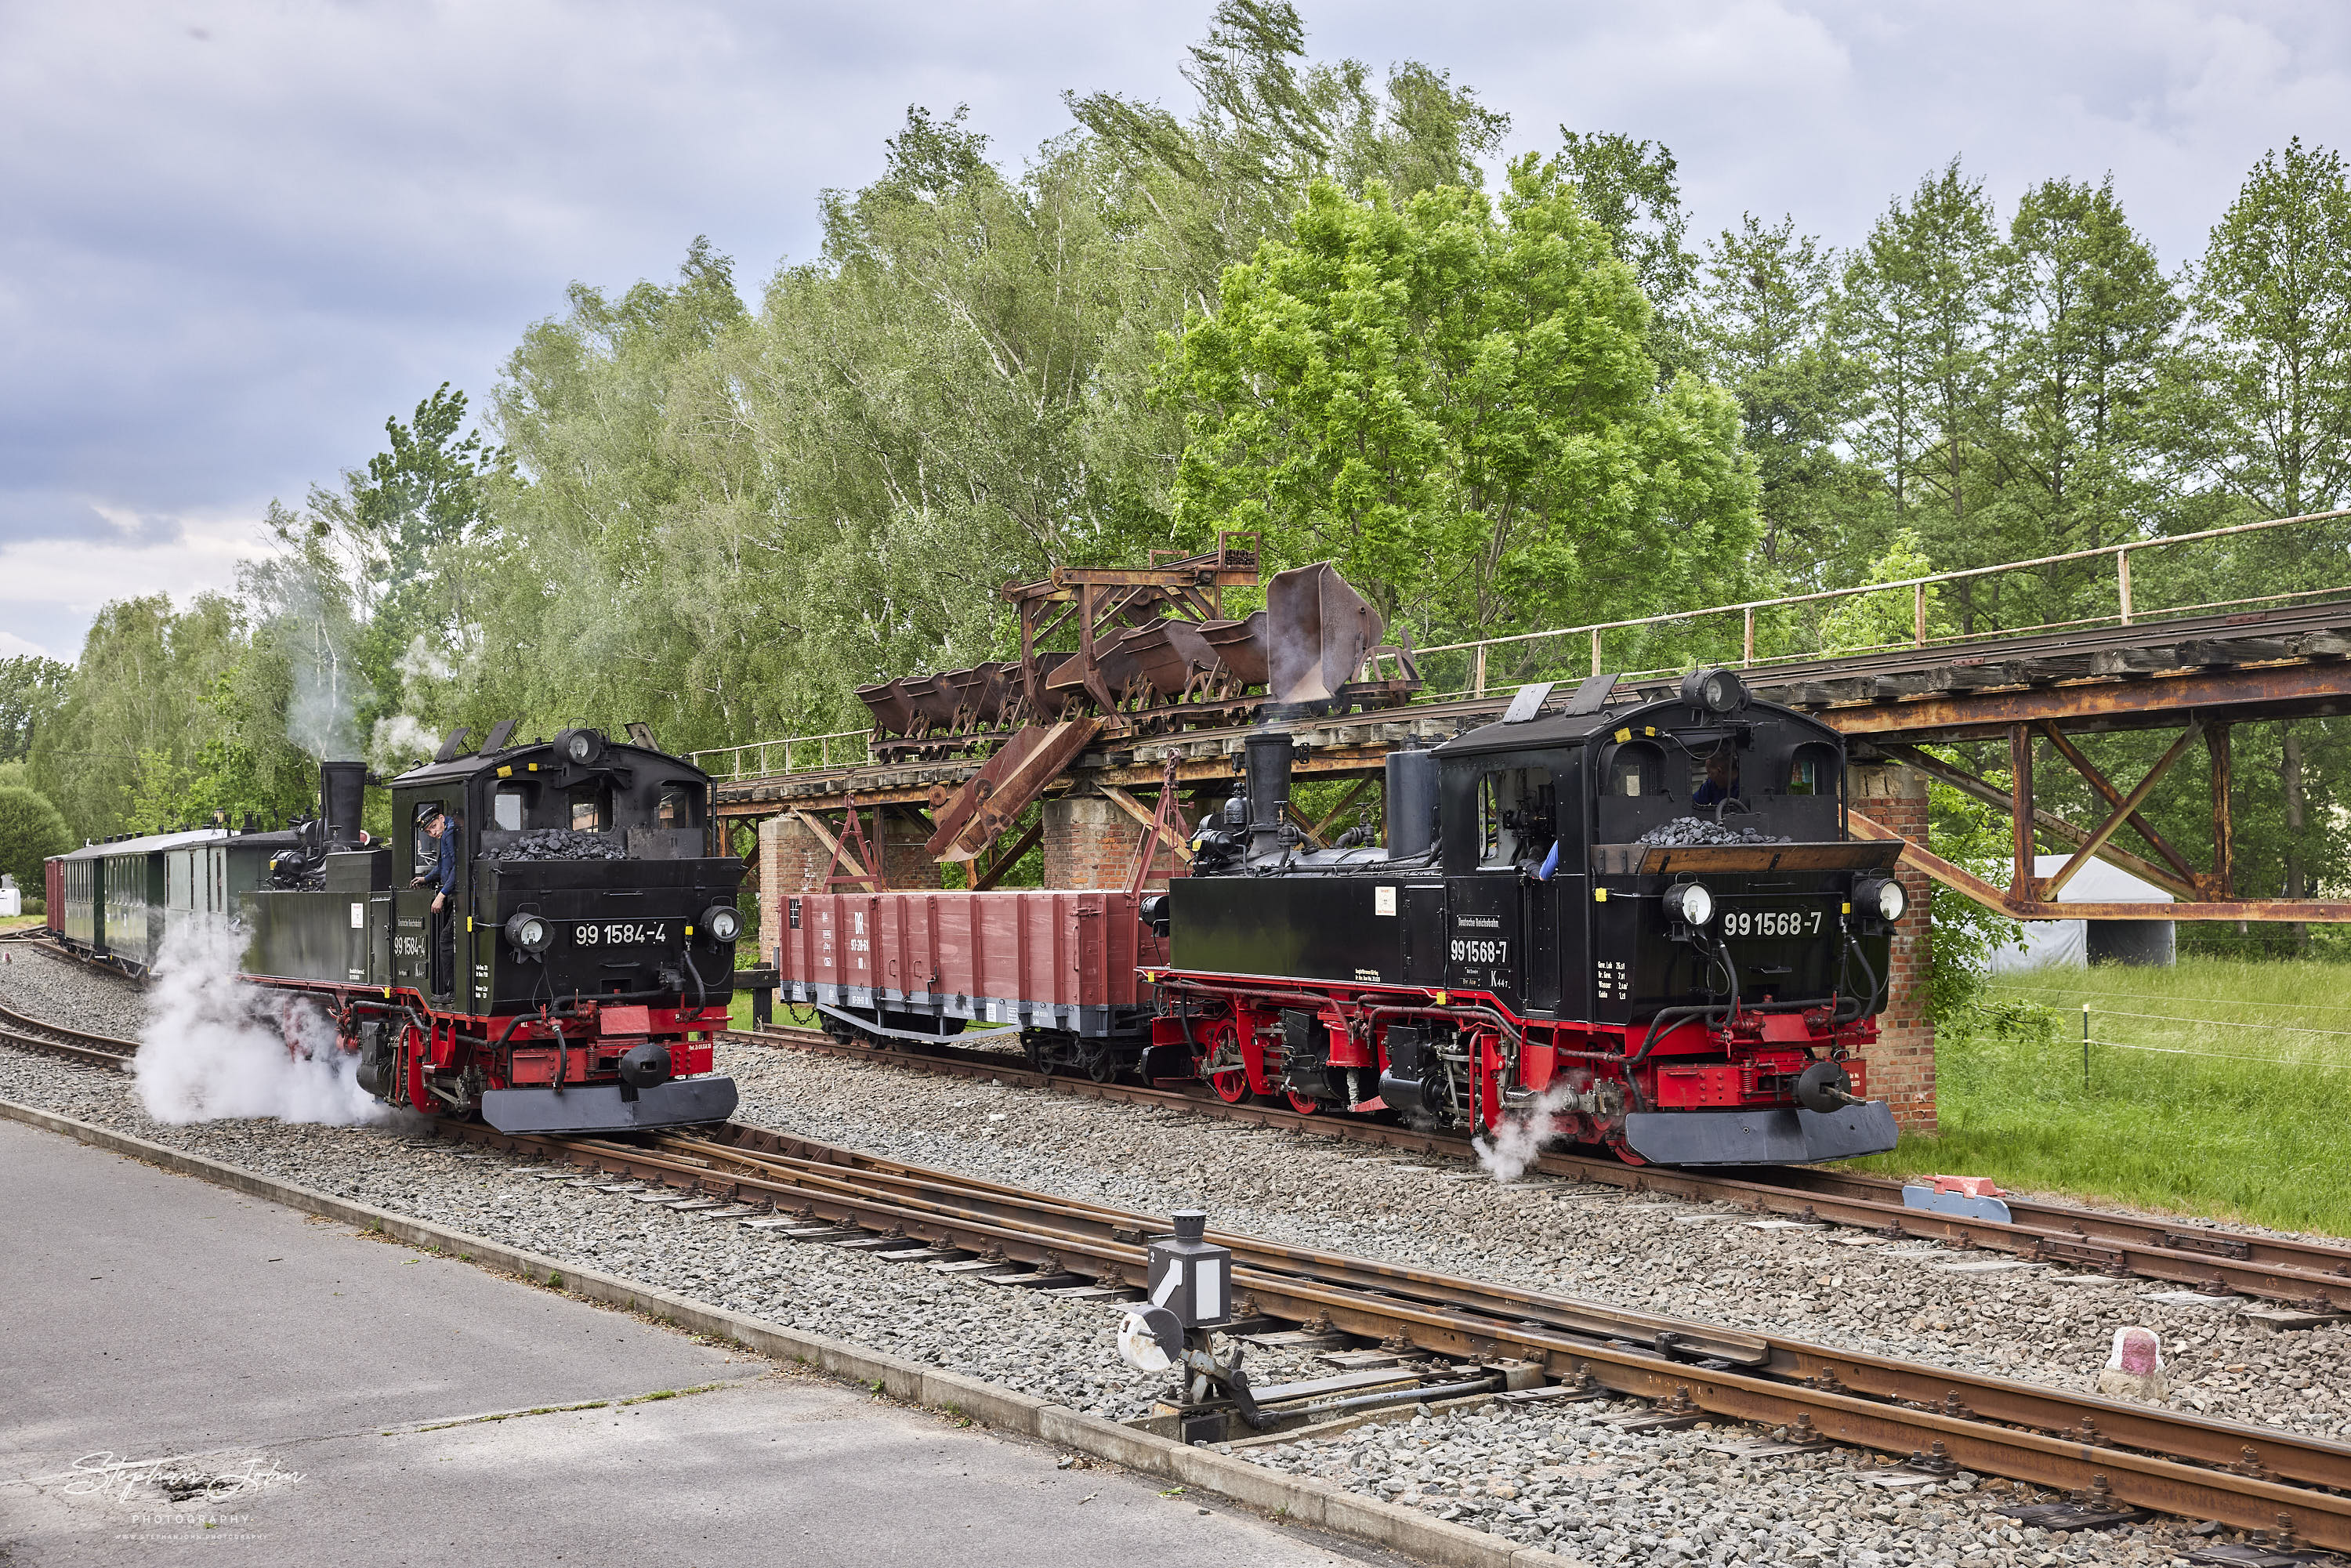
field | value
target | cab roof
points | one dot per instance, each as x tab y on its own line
1546	730
617	754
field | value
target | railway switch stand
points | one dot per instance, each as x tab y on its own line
1190	1288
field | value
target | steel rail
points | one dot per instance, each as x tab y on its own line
2248	1477
2310	1274
30	1033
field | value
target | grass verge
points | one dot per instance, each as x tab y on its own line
2219	1087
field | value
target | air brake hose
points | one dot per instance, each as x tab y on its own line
701	992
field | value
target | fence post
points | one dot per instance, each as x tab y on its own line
2085	1045
1749	659
1478	681
2122	577
1919	616
1595	650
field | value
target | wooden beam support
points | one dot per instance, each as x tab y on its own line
1171	835
2223	883
2045	821
2113	796
839	851
2020	809
2329	910
2127	807
1009	855
1319	831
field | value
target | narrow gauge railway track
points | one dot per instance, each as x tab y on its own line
30	1033
2107	1454
2306	1274
2104	1452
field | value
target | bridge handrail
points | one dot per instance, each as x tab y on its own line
1479	646
1918	585
824	744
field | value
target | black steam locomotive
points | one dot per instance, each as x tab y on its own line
581	958
1645	922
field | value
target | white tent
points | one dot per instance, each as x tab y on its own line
2075	943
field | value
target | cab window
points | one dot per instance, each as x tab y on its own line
1637	769
1810	772
680	806
1514	815
508	807
424	850
591	810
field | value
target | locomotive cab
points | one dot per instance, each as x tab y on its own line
1643	923
580	961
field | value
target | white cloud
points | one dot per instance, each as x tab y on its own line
238	239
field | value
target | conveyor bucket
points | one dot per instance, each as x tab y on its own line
892	714
1318	629
1168	653
1241	645
930	698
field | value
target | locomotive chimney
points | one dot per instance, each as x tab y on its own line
342	789
1266	760
1411	803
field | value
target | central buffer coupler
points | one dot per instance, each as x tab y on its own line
1191	1294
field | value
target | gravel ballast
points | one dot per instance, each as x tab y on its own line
1546	1475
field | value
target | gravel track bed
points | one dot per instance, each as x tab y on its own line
1709	1262
1541	1475
41	985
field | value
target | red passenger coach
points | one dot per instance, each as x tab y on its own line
917	965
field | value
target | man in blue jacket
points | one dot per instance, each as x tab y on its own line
441	829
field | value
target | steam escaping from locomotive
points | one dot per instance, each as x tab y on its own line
1518	1140
214	1049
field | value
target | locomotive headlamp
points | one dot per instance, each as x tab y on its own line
1690	904
579	747
1882	896
722	923
529	933
1715	691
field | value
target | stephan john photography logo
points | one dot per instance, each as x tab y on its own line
176	1497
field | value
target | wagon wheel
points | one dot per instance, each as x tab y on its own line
1032	1046
1101	1065
1224	1068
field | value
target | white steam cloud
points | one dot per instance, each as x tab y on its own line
1511	1147
322	709
215	1048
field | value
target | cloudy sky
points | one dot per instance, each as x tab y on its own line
234	236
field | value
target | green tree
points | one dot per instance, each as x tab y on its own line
1631	189
1455	405
1764	332
31	690
2085	327
1917	306
31	830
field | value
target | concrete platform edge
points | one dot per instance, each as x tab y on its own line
1307	1501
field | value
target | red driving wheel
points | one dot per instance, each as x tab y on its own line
1224	1070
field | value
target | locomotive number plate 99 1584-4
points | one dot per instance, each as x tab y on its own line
620	932
1771	921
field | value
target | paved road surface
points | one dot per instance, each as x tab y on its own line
310	1377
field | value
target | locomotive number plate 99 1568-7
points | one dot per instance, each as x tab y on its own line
1771	921
620	932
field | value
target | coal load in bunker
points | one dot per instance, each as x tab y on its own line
1635	923
547	943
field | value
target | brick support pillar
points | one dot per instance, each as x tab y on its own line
1902	1062
1091	844
904	865
791	860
